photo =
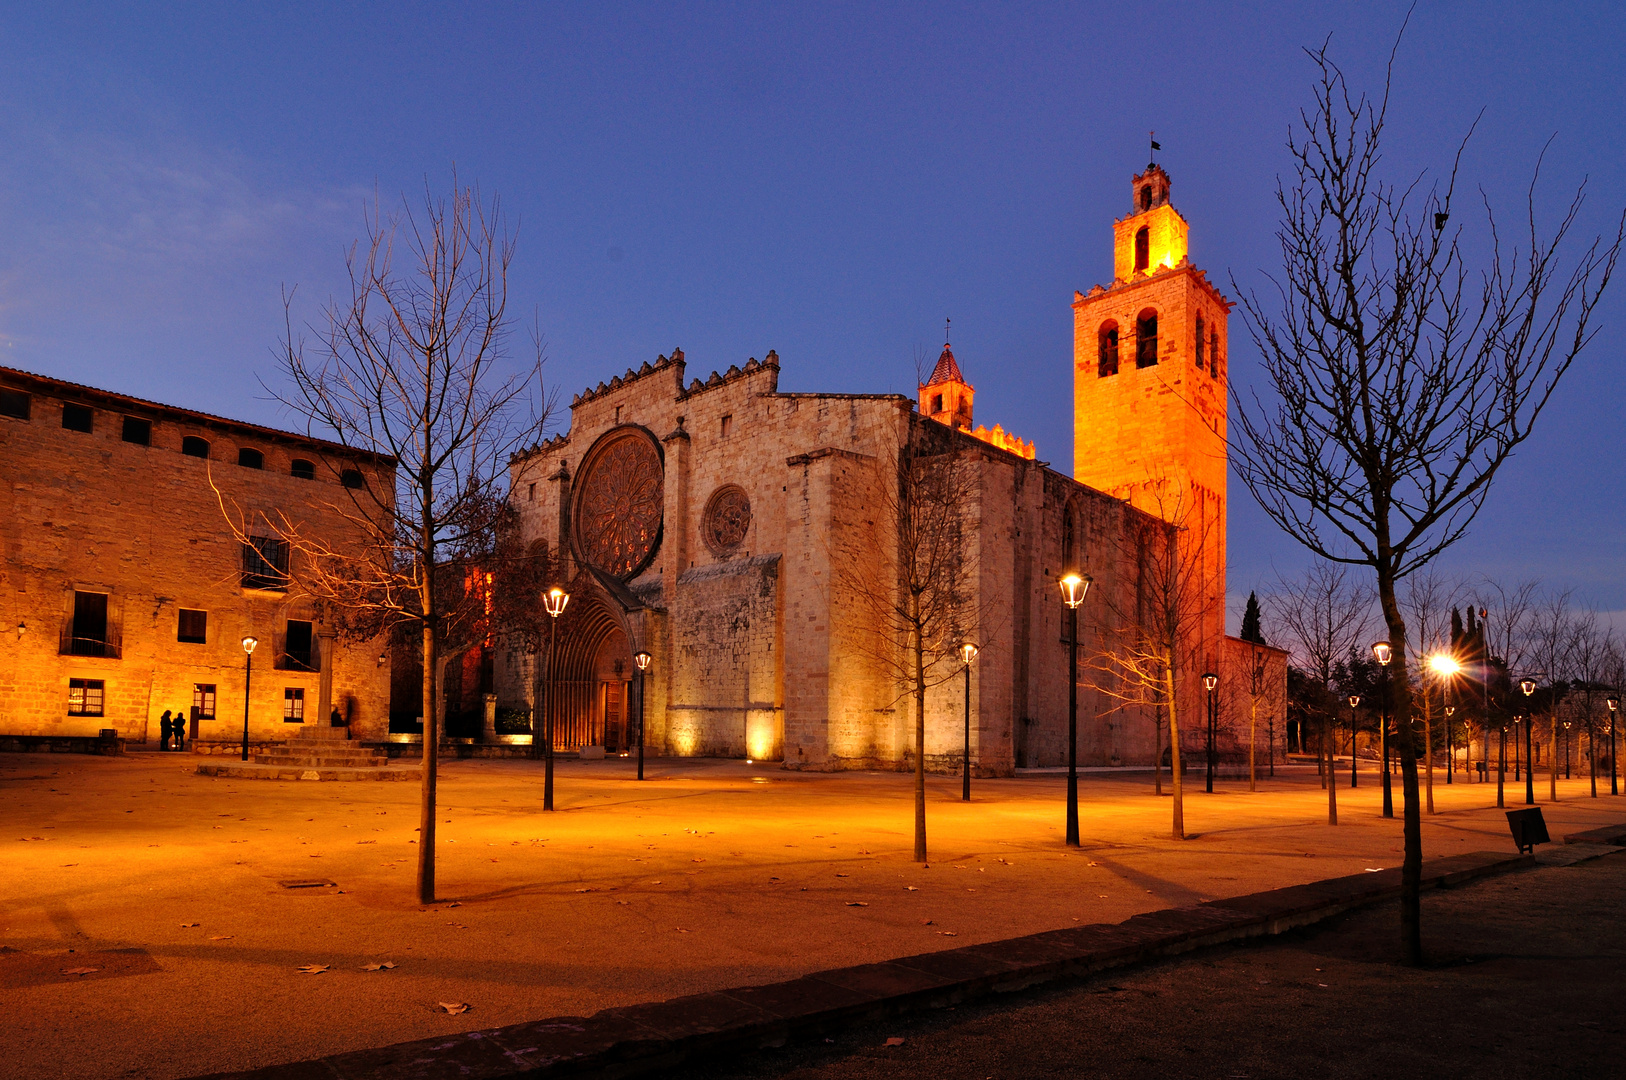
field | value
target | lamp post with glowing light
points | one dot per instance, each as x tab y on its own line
1354	703
1528	685
1446	667
1614	775
1210	681
1450	750
554	603
1566	750
1074	587
1384	653
641	660
248	675
968	653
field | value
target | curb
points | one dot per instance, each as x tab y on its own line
306	772
1609	834
634	1039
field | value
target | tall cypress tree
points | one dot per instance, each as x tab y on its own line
1250	622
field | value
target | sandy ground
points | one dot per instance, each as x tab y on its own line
708	875
1523	980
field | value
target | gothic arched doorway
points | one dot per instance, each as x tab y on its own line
592	668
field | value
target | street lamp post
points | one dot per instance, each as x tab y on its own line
1210	681
1385	653
248	675
968	653
1566	750
1354	703
1074	587
1528	685
1614	775
1450	750
554	603
641	660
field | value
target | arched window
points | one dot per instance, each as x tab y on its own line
1146	339
1146	197
1143	249
250	458
1214	366
1200	343
1069	540
302	469
192	446
1106	341
351	478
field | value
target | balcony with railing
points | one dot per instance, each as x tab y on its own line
104	643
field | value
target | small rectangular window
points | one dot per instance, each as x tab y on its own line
728	425
193	627
265	563
138	431
77	417
530	494
293	705
203	700
85	697
14	403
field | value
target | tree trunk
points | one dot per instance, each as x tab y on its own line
1411	870
1253	737
1552	750
1157	755
431	759
1428	748
920	737
1176	781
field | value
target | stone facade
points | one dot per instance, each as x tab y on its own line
121	580
757	651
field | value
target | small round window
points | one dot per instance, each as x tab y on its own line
727	520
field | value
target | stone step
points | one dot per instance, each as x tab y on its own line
238	770
321	733
324	761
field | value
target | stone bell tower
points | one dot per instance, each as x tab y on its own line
1149	396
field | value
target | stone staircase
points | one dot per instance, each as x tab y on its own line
315	753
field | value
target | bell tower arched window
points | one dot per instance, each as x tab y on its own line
1143	248
1146	339
1107	350
1146	197
1200	343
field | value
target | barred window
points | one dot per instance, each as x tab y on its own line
293	704
265	563
85	697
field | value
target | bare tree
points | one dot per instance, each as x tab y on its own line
1550	646
1590	657
410	365
910	576
1396	386
1326	614
1151	646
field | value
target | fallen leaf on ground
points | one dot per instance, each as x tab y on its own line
79	971
910	888
454	1007
455	903
385	966
185	925
680	930
856	903
366	841
948	933
220	937
894	1041
313	969
925	922
584	890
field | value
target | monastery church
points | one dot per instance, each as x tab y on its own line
699	521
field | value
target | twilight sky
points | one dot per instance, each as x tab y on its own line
830	181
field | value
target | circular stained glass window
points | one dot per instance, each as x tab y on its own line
727	520
620	494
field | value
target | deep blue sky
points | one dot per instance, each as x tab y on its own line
830	181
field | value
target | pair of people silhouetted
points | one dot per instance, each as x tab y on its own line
173	729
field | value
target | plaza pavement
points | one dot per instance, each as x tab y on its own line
708	875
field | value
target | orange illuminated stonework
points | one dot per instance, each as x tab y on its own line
1149	395
947	398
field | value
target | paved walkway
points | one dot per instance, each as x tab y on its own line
709	875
